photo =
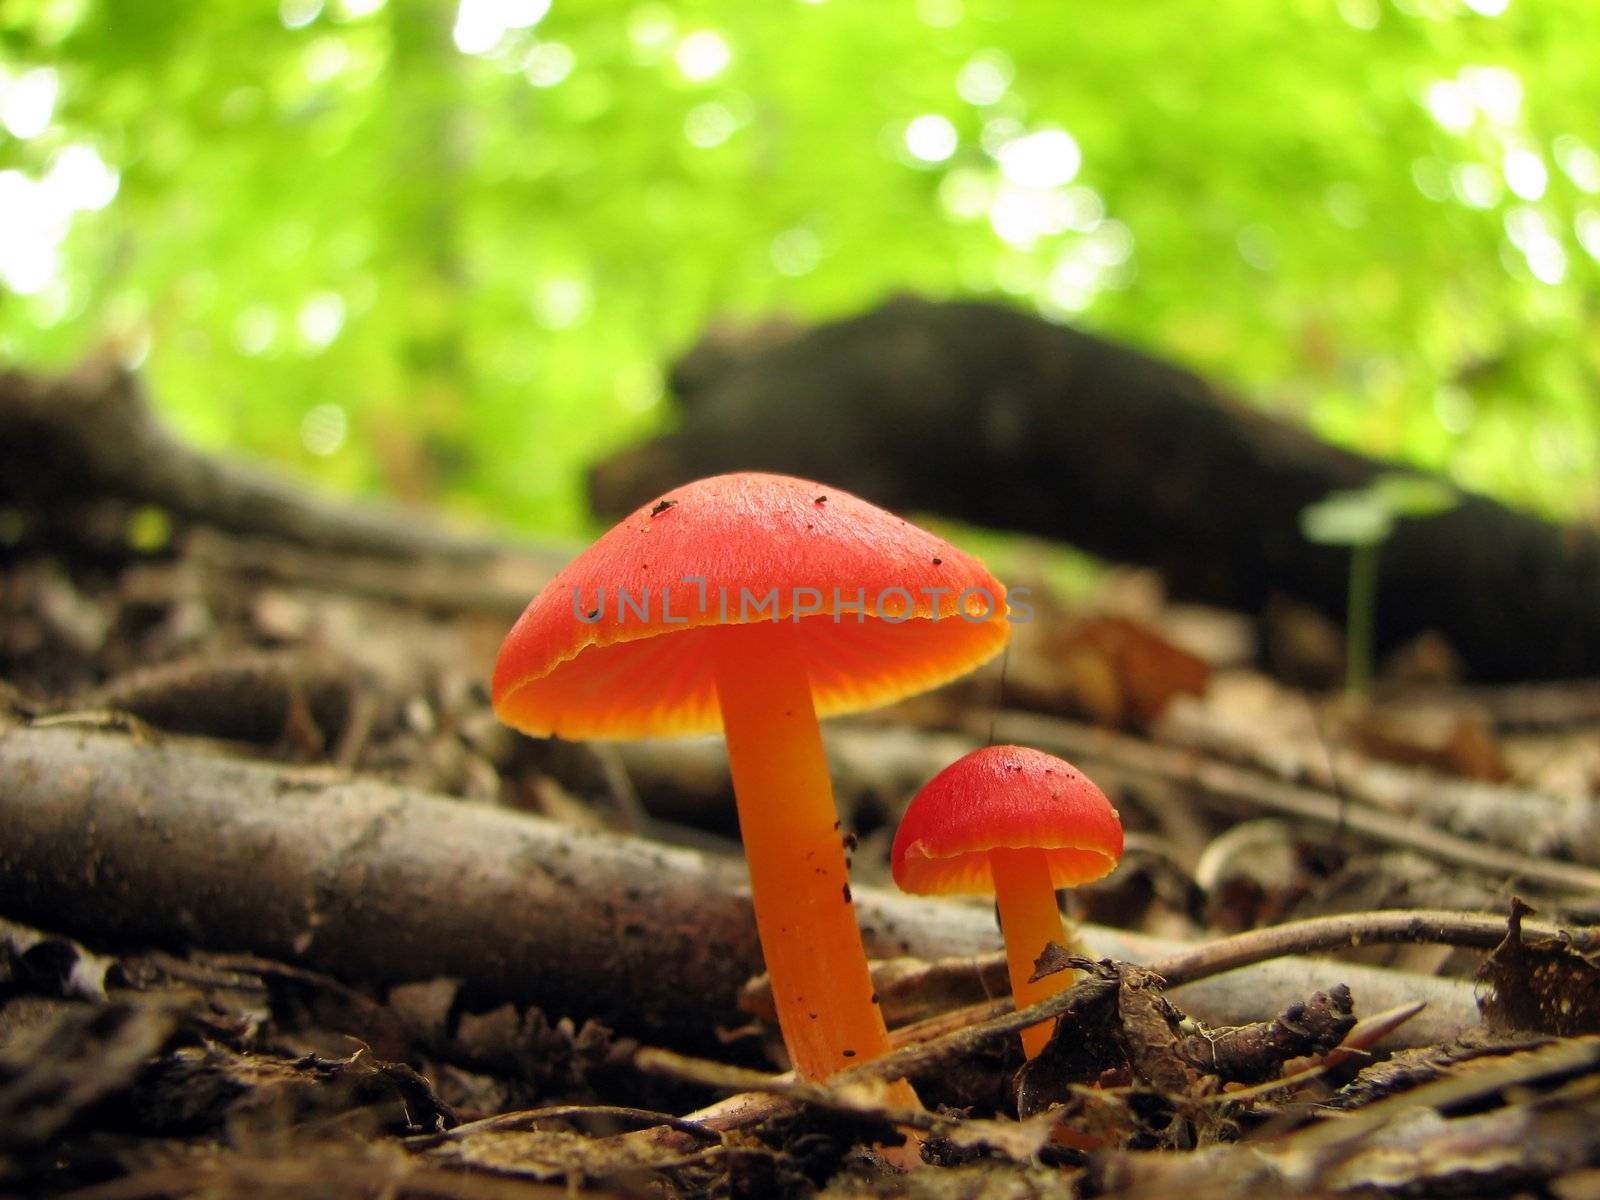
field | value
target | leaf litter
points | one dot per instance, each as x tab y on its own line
135	1070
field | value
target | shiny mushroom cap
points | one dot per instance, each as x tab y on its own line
617	646
1004	797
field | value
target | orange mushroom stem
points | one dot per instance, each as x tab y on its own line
799	879
1030	920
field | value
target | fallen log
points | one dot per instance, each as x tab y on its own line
994	416
1502	831
111	837
93	433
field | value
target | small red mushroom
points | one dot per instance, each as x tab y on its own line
752	604
1017	823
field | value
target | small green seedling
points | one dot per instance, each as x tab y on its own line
1363	519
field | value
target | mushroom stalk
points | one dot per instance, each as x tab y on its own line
1029	918
799	877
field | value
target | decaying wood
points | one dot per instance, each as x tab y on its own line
1430	1140
498	586
1240	790
259	696
1534	823
93	433
866	761
121	838
1257	1052
1537	705
996	417
1503	830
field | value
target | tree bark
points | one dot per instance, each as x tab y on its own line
117	838
992	416
75	438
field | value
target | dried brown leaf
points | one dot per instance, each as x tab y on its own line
1122	673
70	1057
1543	985
1019	1141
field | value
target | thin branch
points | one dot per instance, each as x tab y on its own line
843	1092
928	1043
1345	930
1239	789
994	1018
515	1122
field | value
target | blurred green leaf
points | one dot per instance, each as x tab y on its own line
1347	519
1366	516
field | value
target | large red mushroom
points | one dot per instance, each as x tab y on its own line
754	604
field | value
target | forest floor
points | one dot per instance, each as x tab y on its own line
262	931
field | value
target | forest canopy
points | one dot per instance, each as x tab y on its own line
446	251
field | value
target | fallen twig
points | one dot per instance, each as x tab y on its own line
383	884
1519	818
1319	934
512	1122
1363	1035
843	1093
1570	1057
1552	705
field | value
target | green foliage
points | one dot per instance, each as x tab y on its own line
1366	516
454	273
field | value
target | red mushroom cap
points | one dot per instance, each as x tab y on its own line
752	535
1004	796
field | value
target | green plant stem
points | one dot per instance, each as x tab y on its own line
1360	610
